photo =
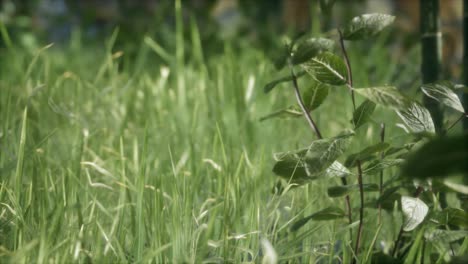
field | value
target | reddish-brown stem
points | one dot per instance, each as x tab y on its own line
348	68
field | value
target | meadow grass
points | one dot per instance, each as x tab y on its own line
162	158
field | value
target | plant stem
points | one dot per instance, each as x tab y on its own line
350	86
301	103
382	156
361	208
348	68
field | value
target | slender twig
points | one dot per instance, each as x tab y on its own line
349	83
382	156
361	189
348	68
300	101
361	208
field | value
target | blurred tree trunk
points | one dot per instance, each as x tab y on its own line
431	55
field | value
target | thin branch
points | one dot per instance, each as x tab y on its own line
348	68
300	101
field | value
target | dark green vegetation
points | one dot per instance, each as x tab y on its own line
162	157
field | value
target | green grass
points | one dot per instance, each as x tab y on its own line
161	158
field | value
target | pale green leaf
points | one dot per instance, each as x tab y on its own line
327	68
442	92
417	119
366	26
387	96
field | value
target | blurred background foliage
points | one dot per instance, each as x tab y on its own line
34	23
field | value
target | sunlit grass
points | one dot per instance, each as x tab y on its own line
161	158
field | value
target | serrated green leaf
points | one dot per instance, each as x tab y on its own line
327	68
365	154
291	111
445	236
329	213
269	86
315	95
339	191
363	113
307	164
366	26
377	166
308	48
387	96
417	119
443	92
438	158
414	211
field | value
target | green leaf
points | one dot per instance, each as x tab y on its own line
329	213
443	92
269	86
308	48
283	113
452	216
363	113
366	26
417	119
445	236
387	96
327	68
304	165
291	165
365	154
339	191
379	165
438	158
315	95
337	170
414	211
